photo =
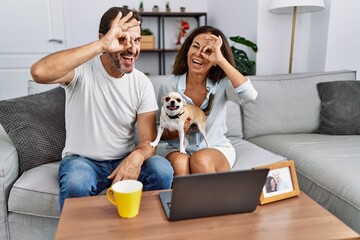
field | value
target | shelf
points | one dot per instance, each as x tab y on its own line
160	46
160	50
172	14
151	50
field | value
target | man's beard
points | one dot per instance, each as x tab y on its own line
115	59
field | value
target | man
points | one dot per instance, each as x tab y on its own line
105	97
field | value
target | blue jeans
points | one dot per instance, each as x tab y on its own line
80	176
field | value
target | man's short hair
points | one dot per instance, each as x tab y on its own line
110	15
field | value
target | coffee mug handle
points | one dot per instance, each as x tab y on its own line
110	195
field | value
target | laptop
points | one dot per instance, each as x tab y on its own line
213	194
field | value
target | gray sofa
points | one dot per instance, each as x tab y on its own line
279	125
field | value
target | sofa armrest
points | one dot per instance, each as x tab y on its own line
9	171
9	163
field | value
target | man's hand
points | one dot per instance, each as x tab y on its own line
117	39
129	168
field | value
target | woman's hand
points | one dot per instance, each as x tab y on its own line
212	49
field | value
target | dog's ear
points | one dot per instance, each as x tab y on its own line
163	99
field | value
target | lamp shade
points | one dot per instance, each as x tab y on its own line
287	6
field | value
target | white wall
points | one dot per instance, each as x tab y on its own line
274	40
235	18
343	50
318	39
26	28
83	27
82	17
324	41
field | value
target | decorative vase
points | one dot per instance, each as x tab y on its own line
155	9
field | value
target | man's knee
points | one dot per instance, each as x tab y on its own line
76	178
158	172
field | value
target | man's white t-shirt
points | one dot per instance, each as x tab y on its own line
101	111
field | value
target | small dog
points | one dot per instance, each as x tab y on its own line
174	113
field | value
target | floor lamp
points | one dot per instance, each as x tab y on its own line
294	6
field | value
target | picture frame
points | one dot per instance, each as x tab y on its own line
281	182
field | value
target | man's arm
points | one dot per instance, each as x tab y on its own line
131	166
60	67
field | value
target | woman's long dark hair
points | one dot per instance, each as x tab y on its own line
268	184
216	73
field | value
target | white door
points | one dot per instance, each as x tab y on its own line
29	30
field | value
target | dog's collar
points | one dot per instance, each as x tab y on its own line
175	116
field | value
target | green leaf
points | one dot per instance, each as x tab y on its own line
244	41
146	32
242	61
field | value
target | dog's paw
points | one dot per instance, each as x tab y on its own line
182	151
153	144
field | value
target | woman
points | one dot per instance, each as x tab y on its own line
270	184
204	74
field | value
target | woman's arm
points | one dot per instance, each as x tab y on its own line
244	90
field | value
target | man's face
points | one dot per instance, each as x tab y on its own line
124	61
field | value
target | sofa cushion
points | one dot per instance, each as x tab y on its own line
340	107
34	87
287	103
30	196
248	155
9	165
327	168
36	125
233	120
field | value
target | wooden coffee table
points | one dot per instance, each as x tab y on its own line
295	218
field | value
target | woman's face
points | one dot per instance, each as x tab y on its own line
197	64
272	184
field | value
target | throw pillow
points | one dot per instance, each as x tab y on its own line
36	125
340	107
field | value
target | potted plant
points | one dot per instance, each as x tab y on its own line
155	8
141	7
146	32
182	9
168	9
242	61
147	39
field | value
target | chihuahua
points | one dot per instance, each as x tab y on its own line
174	113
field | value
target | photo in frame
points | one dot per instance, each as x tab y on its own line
281	182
